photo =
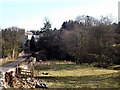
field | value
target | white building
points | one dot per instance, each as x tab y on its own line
29	35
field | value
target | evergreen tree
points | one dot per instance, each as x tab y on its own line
32	44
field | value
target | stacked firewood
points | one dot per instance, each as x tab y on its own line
26	82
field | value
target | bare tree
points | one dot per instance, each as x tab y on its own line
76	43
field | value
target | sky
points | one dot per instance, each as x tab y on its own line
30	14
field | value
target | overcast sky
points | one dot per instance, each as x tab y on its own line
30	14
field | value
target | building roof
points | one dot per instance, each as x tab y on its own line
28	33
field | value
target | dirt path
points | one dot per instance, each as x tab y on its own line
13	64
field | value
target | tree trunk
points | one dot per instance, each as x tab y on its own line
13	53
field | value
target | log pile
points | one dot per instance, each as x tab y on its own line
26	82
20	82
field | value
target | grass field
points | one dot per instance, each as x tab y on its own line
69	75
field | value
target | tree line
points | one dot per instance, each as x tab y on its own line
83	40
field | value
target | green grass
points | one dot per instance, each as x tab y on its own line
70	75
